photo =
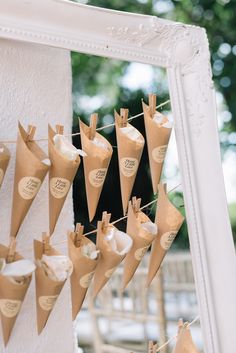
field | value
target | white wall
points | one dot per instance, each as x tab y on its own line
35	88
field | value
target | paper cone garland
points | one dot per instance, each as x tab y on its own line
31	168
12	295
96	163
130	147
109	259
142	239
169	221
47	290
4	160
83	268
61	176
184	342
158	132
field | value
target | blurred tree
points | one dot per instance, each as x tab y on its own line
98	86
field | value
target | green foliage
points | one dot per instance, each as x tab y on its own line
232	213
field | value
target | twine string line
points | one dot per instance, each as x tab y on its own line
98	129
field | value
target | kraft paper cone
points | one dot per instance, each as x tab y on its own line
11	297
142	239
61	176
129	155
109	259
4	160
157	142
83	269
47	290
30	172
96	164
184	342
169	221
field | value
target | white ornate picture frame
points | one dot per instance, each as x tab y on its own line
183	51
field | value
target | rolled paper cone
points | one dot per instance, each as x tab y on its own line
169	221
157	142
83	272
108	260
184	343
4	161
47	290
61	176
129	155
30	172
11	297
142	239
96	164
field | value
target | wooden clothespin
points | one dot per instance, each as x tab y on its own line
93	125
79	230
136	203
185	326
30	132
182	325
46	242
12	250
124	113
152	347
152	102
59	129
155	347
105	220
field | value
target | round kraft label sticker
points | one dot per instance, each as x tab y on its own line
47	302
97	177
28	187
59	187
86	279
128	166
109	273
158	153
167	239
1	176
139	253
10	307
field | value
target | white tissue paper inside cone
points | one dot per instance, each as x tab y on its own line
100	143
66	148
46	161
119	242
57	267
90	251
150	227
162	120
17	271
132	133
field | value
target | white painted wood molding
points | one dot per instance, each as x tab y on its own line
183	51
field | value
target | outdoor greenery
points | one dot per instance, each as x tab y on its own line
99	85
